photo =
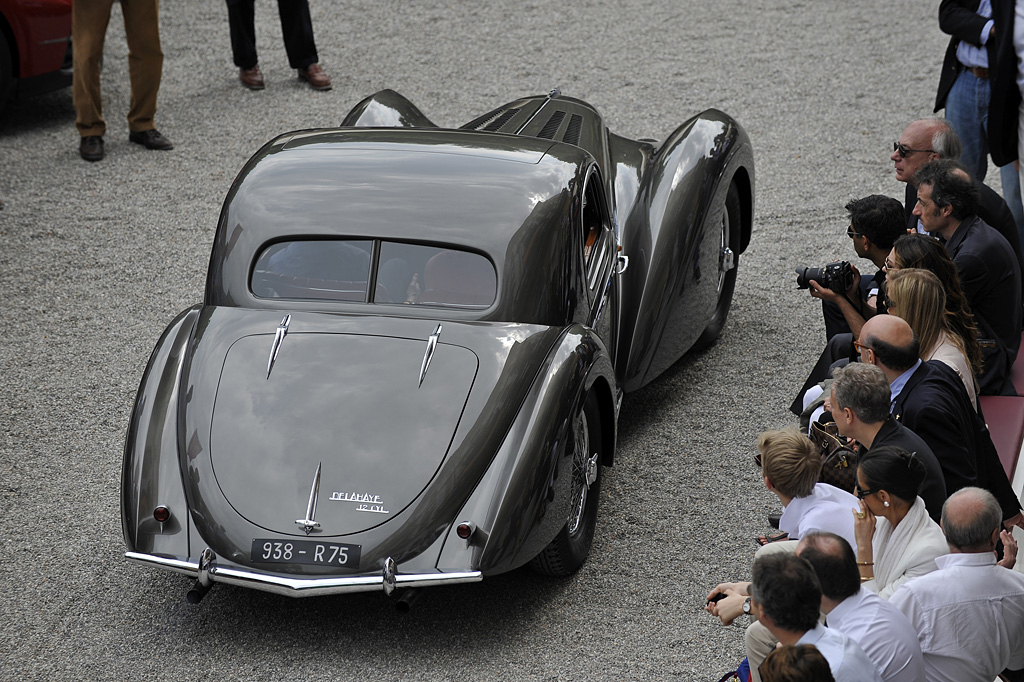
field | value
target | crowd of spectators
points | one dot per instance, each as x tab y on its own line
906	572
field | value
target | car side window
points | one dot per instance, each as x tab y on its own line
597	242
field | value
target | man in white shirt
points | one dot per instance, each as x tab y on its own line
879	627
786	596
969	614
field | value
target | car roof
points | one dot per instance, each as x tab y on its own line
498	194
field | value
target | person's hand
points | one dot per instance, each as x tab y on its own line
853	291
1015	520
863	529
728	608
818	291
726	588
1009	559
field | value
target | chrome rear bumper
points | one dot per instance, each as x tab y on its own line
302	587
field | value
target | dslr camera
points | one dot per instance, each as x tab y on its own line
836	276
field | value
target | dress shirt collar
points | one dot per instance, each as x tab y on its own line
899	382
845	608
967	559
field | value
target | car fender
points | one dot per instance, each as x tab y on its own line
386	109
522	501
671	237
150	474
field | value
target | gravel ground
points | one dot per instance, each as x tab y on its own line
96	258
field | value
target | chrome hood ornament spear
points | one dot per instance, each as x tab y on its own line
308	524
282	330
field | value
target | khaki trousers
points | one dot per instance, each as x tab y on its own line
145	61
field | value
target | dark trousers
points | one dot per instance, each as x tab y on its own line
296	25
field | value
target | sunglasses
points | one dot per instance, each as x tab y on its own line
851	234
905	151
861	494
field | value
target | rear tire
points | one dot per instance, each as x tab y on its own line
568	551
730	239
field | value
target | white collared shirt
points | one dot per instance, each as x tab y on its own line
969	617
846	659
884	634
827	508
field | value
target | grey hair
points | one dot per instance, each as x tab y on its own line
864	389
971	525
945	142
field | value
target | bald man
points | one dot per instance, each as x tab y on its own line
930	399
928	139
969	614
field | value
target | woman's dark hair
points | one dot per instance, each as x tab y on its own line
922	251
796	663
894	470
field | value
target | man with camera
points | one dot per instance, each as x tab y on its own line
848	299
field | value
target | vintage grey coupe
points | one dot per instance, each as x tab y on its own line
409	362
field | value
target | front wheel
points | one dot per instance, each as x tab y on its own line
728	264
566	553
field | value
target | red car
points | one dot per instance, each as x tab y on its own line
35	46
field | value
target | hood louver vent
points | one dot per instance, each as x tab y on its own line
572	131
551	127
497	123
479	121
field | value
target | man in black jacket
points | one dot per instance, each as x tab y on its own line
965	90
929	139
859	404
989	272
930	400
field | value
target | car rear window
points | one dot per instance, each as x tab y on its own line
403	274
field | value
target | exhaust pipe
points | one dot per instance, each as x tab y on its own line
405	601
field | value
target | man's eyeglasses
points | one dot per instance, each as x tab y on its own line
861	347
860	493
906	151
851	234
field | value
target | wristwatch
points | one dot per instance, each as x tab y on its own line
746	606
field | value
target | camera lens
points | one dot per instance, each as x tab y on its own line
805	275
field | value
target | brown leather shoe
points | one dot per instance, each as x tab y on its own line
91	148
251	78
315	76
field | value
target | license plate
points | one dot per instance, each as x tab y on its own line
305	552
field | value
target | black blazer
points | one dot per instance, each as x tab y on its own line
1005	99
991	279
960	19
933	488
934	405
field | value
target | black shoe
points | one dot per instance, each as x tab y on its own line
91	148
773	520
151	139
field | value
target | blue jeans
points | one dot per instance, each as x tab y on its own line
967	112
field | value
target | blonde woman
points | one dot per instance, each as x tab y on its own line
918	297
